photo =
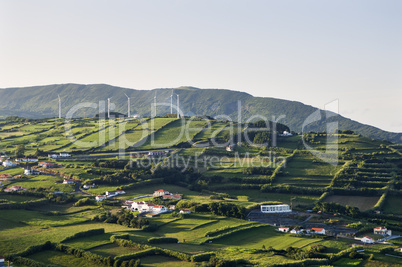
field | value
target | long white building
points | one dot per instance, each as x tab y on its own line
275	208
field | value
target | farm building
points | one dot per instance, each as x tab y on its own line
8	163
283	229
185	211
15	188
382	231
6	177
367	240
285	133
160	192
87	186
68	181
143	206
156	153
296	231
26	160
320	231
159	209
31	172
100	198
230	148
114	193
171	196
60	155
275	208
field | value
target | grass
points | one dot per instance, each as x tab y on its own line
16	198
43	181
164	261
392	205
90	242
306	170
361	202
60	259
255	238
112	250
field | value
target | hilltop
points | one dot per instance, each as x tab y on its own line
41	102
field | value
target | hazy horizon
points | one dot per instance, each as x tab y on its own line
313	52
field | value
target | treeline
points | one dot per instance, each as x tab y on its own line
336	208
122	217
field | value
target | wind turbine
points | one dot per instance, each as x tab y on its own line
128	106
108	108
59	106
171	103
178	106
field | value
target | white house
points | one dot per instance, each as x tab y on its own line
87	186
367	240
230	147
159	209
30	172
160	192
285	133
275	208
185	211
143	206
68	181
8	163
382	231
283	229
319	231
114	193
296	231
100	198
60	155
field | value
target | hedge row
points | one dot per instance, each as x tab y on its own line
23	205
161	240
202	257
27	262
142	183
87	233
123	242
79	253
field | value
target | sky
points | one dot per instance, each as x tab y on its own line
315	52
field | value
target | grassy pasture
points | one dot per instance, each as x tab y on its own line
43	181
361	202
16	198
164	261
393	205
306	170
58	258
112	250
268	236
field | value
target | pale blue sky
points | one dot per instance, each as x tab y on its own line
309	51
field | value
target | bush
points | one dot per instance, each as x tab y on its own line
202	257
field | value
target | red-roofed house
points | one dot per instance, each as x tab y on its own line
367	240
382	231
320	231
159	208
283	229
15	188
160	192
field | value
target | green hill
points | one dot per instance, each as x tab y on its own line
41	101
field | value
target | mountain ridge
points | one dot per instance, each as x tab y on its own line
41	101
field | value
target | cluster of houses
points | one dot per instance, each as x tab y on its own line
378	231
109	194
8	163
153	209
26	160
318	231
48	165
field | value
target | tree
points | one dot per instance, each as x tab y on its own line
20	151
